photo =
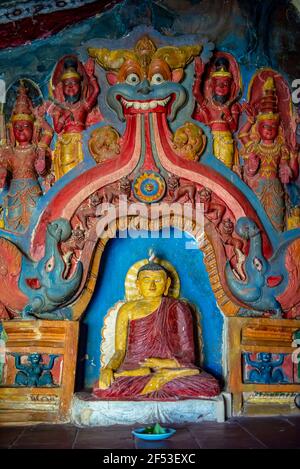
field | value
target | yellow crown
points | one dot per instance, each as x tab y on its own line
269	84
221	73
267	116
70	74
22	117
144	52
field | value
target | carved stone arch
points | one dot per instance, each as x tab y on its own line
226	305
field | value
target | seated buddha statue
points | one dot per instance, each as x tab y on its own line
154	355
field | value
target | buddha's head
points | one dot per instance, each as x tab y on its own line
153	281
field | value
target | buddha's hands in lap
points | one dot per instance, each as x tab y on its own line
160	363
106	378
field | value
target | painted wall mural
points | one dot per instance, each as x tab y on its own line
147	89
96	141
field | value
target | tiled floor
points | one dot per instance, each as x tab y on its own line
244	433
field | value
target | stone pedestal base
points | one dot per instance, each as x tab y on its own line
25	405
87	411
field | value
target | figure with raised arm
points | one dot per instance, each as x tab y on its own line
216	104
265	368
75	91
34	373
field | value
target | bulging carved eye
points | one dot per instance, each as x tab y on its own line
157	79
132	79
50	264
258	264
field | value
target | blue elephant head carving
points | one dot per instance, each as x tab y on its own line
45	282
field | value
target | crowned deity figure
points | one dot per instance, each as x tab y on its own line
154	350
269	163
22	160
75	90
216	90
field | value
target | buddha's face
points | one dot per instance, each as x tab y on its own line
153	283
23	131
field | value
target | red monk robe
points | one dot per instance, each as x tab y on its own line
166	333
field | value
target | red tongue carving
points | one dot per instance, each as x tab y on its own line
33	283
274	281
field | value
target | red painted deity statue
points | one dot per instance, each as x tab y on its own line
269	162
22	161
75	89
216	103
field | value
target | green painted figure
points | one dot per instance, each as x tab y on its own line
34	373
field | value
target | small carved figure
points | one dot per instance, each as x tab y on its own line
77	239
213	211
89	210
265	369
104	143
217	104
75	90
268	162
72	248
24	159
108	194
178	191
237	258
112	193
189	141
125	187
34	373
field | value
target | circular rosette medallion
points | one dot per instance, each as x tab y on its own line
149	187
